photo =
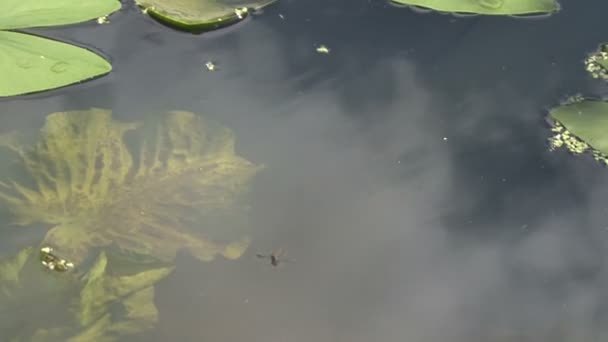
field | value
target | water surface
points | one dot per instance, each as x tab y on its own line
408	171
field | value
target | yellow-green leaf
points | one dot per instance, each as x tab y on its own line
30	63
200	15
16	14
487	7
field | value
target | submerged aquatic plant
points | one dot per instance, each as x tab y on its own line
200	15
177	185
98	305
127	196
486	7
29	63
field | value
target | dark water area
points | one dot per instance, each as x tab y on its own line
407	171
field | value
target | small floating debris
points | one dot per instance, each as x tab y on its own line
323	49
241	12
281	16
211	66
54	262
103	20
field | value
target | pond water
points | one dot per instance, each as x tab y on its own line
407	171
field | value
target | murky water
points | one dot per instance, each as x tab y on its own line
407	173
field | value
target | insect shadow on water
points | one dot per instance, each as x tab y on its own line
277	257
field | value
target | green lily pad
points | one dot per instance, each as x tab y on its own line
200	15
178	184
42	305
29	63
581	126
487	7
19	14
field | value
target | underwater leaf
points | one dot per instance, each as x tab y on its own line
200	15
581	126
29	63
10	269
486	7
97	305
16	14
177	185
25	285
100	290
139	308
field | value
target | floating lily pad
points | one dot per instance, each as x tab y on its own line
30	63
581	126
42	305
487	7
178	184
18	14
200	15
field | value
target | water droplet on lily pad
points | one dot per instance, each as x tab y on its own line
24	63
60	67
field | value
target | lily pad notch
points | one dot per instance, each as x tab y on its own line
198	16
30	63
487	7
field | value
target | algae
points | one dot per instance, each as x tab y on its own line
179	185
94	306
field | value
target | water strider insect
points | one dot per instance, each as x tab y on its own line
275	257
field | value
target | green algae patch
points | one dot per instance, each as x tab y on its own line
177	185
120	199
200	15
487	7
580	126
93	306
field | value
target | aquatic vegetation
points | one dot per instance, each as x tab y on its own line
30	63
177	185
579	123
200	15
122	199
487	7
580	126
597	63
98	305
